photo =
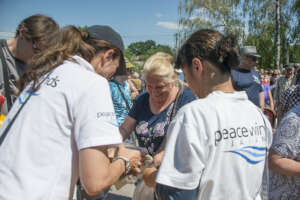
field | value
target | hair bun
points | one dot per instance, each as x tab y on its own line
227	52
84	35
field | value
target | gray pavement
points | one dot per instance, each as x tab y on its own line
125	193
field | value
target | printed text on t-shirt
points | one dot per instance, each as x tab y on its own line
239	132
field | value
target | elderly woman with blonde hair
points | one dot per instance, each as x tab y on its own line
154	109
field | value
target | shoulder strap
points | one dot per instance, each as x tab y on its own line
4	134
5	77
122	94
173	113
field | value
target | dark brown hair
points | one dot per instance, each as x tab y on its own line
210	45
68	42
39	28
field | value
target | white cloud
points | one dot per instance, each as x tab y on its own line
6	34
169	25
196	17
158	15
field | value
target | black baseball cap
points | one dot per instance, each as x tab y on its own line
106	33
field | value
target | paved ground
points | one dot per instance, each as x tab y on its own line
125	193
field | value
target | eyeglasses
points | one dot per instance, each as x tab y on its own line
253	58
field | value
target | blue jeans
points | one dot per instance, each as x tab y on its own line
164	192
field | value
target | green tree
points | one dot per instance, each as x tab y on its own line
82	28
254	21
140	48
223	15
139	52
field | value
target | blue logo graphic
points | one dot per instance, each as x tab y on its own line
252	154
26	95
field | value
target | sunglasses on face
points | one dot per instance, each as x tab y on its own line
252	58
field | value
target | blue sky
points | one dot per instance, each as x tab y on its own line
135	20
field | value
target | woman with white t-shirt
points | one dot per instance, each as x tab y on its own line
216	145
66	120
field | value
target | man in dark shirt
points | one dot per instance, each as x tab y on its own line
246	78
32	35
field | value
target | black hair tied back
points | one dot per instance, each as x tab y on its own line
227	52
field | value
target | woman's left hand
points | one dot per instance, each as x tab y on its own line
149	176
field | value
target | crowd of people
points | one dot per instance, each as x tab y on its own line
214	126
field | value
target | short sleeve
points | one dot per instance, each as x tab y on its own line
186	97
184	157
286	139
94	117
137	106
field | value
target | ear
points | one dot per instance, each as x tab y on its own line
197	65
21	33
108	55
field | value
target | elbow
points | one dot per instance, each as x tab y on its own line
95	187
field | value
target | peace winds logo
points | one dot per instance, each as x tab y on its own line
252	154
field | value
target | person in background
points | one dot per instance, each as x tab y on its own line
273	77
136	81
133	90
245	78
289	99
297	79
267	92
120	93
32	35
296	74
209	140
282	83
43	157
284	157
261	71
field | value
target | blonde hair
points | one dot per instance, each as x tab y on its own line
161	65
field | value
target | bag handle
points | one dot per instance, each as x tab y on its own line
5	77
172	115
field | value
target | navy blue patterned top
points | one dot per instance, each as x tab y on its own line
150	128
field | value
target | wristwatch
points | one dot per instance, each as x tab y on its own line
126	161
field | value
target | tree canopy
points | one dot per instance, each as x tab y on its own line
253	21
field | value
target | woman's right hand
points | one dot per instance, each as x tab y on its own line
134	157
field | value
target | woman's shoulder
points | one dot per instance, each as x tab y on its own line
187	95
143	96
188	92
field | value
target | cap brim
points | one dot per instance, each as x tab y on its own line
255	55
121	70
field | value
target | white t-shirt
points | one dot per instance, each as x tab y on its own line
71	111
219	142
